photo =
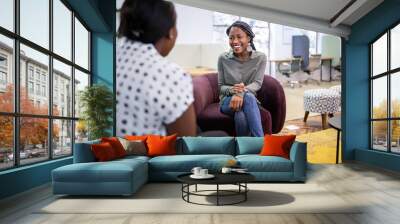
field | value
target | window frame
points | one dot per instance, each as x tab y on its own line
388	74
16	114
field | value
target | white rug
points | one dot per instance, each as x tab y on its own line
166	198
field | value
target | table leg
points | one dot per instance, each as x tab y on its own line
330	70
324	120
195	189
320	71
245	193
217	194
337	146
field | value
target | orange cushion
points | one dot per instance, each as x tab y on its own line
136	138
103	152
116	145
277	145
161	145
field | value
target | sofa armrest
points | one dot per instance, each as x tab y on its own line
298	155
83	152
272	98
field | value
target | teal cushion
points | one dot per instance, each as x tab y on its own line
185	163
207	145
249	145
111	171
257	163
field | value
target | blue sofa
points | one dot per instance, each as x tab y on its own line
125	176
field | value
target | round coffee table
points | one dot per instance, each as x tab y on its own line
238	179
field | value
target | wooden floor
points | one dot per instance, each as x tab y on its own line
379	190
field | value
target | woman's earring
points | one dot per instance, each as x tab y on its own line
249	48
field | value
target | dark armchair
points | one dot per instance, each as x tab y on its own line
271	96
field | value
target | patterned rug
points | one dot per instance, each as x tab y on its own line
321	146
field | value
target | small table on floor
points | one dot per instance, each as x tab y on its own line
336	123
239	179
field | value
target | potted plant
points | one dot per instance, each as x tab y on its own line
96	102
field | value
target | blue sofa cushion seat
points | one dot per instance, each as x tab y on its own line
185	163
257	163
118	177
167	168
206	145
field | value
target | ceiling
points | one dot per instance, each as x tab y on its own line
318	15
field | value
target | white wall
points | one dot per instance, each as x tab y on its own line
195	26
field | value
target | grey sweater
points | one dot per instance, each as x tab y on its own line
231	71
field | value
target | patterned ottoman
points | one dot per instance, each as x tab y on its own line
323	101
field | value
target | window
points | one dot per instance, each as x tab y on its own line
30	87
62	75
35	21
3	78
81	45
45	131
43	90
7	14
62	29
37	89
385	96
30	72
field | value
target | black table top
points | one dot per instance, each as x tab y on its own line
220	178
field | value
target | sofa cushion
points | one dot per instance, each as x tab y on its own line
161	145
207	145
116	145
257	163
103	152
112	171
249	145
185	163
277	145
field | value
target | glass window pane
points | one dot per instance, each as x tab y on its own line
35	21
379	98
379	55
379	135
81	45
7	14
395	95
33	140
62	89
81	81
6	74
6	142
395	138
62	29
395	47
34	97
62	141
81	131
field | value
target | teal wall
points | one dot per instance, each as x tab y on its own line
356	85
99	16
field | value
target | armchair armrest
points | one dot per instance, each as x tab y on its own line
298	155
203	92
272	98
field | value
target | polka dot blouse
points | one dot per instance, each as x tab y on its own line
151	92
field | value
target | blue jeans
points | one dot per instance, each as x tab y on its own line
248	119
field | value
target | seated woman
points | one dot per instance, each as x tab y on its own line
240	76
154	96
